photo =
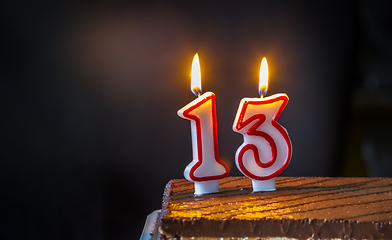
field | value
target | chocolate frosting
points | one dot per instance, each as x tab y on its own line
303	207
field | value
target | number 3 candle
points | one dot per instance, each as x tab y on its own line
266	150
206	168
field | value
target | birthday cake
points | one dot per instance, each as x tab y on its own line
300	208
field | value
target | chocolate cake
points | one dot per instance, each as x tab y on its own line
300	208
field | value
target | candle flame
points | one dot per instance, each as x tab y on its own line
263	78
196	76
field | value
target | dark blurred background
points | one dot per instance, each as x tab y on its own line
90	91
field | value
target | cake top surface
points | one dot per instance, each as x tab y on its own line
356	199
300	208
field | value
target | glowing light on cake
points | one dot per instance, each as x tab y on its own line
263	78
196	76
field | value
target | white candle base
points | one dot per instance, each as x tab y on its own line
264	185
205	187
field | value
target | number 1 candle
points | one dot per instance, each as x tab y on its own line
266	150
206	168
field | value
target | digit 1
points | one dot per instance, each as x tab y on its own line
206	164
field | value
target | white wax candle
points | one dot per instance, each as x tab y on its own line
206	168
266	150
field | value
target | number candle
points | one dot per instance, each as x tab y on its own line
266	150
206	168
